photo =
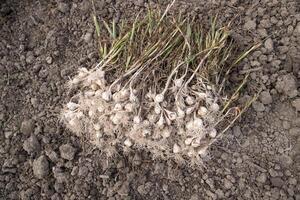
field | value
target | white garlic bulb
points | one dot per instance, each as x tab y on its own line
178	82
146	132
117	118
176	148
213	133
72	106
196	142
171	115
202	111
198	123
214	107
161	121
157	109
118	107
137	119
202	151
188	141
128	142
202	95
99	134
190	110
159	98
190	125
190	100
180	113
166	132
129	107
97	127
106	96
94	86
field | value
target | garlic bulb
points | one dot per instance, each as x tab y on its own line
202	111
99	134
178	82
72	106
213	133
118	107
214	107
190	125
188	141
137	119
75	81
202	151
196	142
106	96
202	95
94	86
89	93
198	123
176	148
190	100
166	132
97	127
133	98
128	142
157	109
152	118
180	113
161	121
117	118
129	107
91	113
190	110
171	115
159	98
146	132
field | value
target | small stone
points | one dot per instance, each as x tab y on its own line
139	2
262	178
137	160
83	171
49	60
67	151
220	193
8	134
27	127
63	7
296	104
29	59
88	37
286	84
292	181
40	167
277	182
59	187
250	25
124	189
194	197
52	155
269	44
258	107
31	145
237	131
227	184
265	97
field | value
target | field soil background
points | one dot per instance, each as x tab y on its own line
43	43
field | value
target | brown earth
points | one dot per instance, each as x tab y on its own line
42	45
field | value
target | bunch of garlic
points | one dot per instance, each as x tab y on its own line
176	122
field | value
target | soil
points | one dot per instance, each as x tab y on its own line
42	45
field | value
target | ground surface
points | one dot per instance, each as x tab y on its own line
44	42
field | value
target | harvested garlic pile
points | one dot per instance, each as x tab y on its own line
118	117
159	87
